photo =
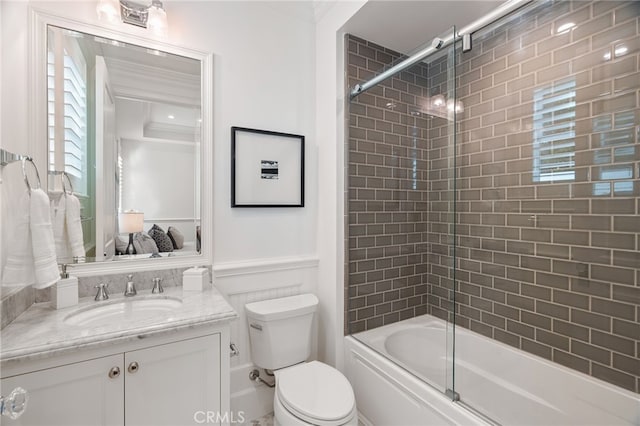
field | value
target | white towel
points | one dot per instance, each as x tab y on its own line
67	226
58	205
43	245
74	226
18	269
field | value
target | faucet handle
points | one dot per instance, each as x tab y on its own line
102	293
157	287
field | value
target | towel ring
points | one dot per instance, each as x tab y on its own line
63	175
24	173
64	187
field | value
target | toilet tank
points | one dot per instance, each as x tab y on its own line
280	330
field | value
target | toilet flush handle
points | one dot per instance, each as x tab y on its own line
234	349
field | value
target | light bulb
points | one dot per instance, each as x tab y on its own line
438	101
157	21
108	10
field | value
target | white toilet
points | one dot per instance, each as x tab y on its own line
307	393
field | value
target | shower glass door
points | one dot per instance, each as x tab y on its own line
401	208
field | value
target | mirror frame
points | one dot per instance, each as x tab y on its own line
39	20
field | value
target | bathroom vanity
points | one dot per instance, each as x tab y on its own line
165	360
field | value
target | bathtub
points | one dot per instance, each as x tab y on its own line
497	384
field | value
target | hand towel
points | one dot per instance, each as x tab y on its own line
18	268
74	226
42	241
58	206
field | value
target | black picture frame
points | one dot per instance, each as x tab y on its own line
267	168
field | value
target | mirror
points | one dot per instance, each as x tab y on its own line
124	136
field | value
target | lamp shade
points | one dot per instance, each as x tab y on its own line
131	221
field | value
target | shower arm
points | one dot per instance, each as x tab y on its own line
502	10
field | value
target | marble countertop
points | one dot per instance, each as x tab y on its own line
42	331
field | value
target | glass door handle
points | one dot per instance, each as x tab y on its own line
14	405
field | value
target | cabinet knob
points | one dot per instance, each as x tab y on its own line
14	405
133	367
114	372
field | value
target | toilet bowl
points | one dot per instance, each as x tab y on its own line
306	393
313	393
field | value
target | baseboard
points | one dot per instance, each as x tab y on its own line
253	399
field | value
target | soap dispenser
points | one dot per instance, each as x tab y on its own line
65	291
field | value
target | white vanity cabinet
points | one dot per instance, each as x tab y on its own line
75	394
162	380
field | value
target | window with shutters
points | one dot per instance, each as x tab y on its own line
554	132
67	107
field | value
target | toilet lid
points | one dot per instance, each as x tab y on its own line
315	392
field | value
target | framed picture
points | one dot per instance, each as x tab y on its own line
267	168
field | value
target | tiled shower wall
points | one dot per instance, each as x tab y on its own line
387	161
547	265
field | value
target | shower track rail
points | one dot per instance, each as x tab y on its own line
487	19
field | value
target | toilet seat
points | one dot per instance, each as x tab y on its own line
316	393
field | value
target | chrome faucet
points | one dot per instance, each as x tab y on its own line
157	287
130	289
102	293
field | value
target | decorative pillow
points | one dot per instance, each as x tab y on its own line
176	237
160	237
143	243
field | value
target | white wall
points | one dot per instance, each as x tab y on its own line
330	127
273	69
263	78
264	73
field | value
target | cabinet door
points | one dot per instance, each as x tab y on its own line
171	384
75	394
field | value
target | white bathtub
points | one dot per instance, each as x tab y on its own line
508	386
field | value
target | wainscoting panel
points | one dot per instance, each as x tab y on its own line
247	282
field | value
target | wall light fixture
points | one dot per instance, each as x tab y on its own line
152	17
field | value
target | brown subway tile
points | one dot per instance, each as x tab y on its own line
570	51
626	328
617	207
591	255
629	259
536	348
614	103
615	274
613	240
626	223
570	237
571	330
591	287
613	376
613	34
571	361
613	309
627	364
624	293
591	352
553	340
554	251
571	206
570	268
591	222
610	70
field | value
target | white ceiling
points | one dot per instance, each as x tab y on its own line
403	25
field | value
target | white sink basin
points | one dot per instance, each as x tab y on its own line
135	308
